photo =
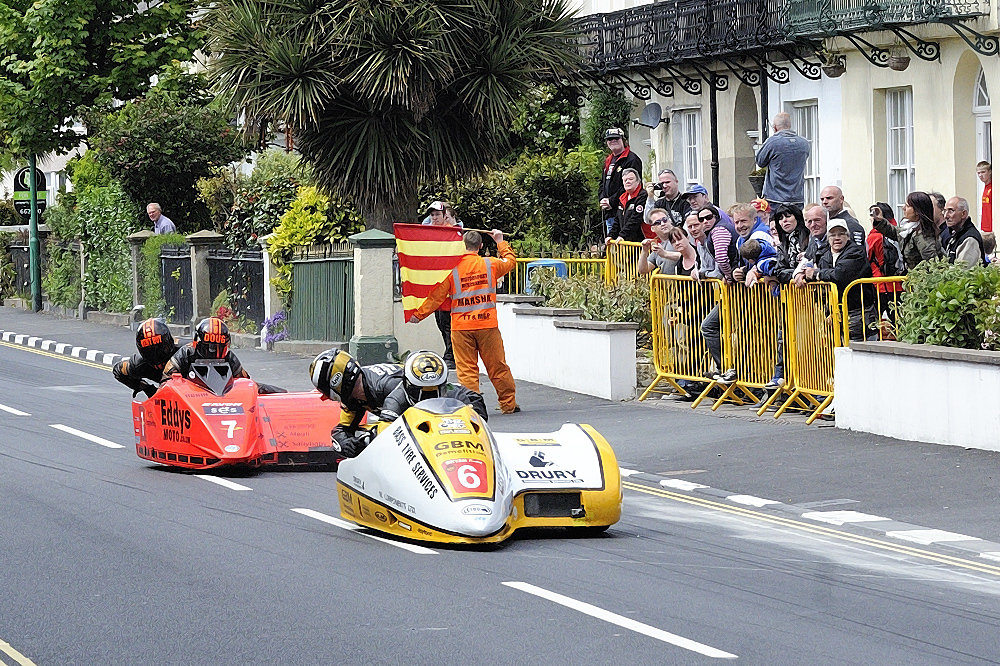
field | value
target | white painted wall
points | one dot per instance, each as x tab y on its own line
919	399
598	363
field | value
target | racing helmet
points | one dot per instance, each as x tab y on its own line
424	376
334	373
154	341
211	338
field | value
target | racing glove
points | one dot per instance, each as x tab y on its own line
350	445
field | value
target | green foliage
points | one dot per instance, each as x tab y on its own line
62	218
547	121
8	274
8	215
608	108
61	280
158	147
223	309
384	96
313	219
951	305
626	301
58	57
86	171
150	273
107	217
544	202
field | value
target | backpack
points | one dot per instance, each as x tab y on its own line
893	256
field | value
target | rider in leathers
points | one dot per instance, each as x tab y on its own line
359	389
425	376
144	371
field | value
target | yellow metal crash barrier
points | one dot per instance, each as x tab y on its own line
869	312
678	305
812	327
574	267
752	325
622	261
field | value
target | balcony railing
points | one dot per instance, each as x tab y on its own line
679	30
690	30
817	18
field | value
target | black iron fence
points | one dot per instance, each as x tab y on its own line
175	267
20	257
242	277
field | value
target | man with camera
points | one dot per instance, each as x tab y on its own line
667	195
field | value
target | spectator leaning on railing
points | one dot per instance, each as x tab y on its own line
844	263
658	253
707	268
722	245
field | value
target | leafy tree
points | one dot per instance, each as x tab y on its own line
57	57
386	95
608	108
158	147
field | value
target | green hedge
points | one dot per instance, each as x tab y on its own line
61	281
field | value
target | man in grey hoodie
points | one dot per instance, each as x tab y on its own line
784	154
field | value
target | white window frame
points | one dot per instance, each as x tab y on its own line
691	142
981	110
809	131
900	166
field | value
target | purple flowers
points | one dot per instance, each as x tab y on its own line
274	327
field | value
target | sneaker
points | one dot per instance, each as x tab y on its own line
726	378
774	384
517	408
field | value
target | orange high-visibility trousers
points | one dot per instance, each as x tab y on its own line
485	343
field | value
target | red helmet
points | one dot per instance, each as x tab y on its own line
154	341
211	338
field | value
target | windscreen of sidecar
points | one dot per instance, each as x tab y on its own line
214	375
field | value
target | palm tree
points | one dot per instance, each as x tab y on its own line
385	95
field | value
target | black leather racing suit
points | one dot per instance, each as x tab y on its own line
181	362
399	401
131	372
379	381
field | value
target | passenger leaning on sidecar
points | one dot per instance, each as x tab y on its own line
339	377
425	376
144	371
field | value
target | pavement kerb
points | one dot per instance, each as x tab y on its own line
62	348
887	528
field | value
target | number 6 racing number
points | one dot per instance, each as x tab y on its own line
467	476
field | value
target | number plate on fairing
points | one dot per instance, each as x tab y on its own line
463	463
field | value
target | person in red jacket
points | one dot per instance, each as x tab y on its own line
475	332
985	172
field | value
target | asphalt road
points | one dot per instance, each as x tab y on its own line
112	560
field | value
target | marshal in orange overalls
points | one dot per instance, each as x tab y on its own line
475	333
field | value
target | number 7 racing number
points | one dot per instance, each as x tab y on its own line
231	425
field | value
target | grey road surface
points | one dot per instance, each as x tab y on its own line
113	560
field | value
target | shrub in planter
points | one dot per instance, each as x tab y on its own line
950	305
625	301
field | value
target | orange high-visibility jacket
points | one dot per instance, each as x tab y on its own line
472	286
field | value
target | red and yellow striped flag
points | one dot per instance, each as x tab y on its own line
427	253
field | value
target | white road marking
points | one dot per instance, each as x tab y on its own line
61	347
110	359
33	342
93	353
15	412
621	621
7	335
225	483
77	351
9	650
927	537
627	472
992	555
841	517
344	525
680	485
47	344
19	339
86	435
750	500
